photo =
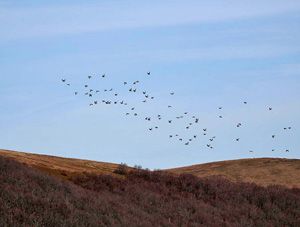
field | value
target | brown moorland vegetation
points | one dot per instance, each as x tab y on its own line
262	171
58	166
29	197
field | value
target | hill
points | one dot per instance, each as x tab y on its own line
30	197
262	171
58	166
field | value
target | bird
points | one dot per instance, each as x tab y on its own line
103	75
97	91
68	84
195	136
110	89
251	151
245	102
197	120
116	94
63	80
237	139
95	102
170	136
86	85
150	129
91	90
289	127
270	108
287	150
132	108
273	136
205	129
220	116
187	143
127	113
187	127
148	73
172	93
90	95
125	83
135	114
180	139
185	112
76	93
89	77
170	121
169	106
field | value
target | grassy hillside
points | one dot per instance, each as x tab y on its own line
30	197
262	171
62	167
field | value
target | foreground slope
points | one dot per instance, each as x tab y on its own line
30	197
58	166
262	171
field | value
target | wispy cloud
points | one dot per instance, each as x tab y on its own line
24	22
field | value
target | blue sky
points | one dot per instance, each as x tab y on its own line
211	53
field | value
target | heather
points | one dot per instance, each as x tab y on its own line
29	197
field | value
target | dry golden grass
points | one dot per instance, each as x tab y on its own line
62	167
262	171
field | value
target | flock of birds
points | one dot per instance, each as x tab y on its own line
133	87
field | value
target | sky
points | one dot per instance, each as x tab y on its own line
210	53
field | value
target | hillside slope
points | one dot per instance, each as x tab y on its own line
58	166
29	197
262	171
